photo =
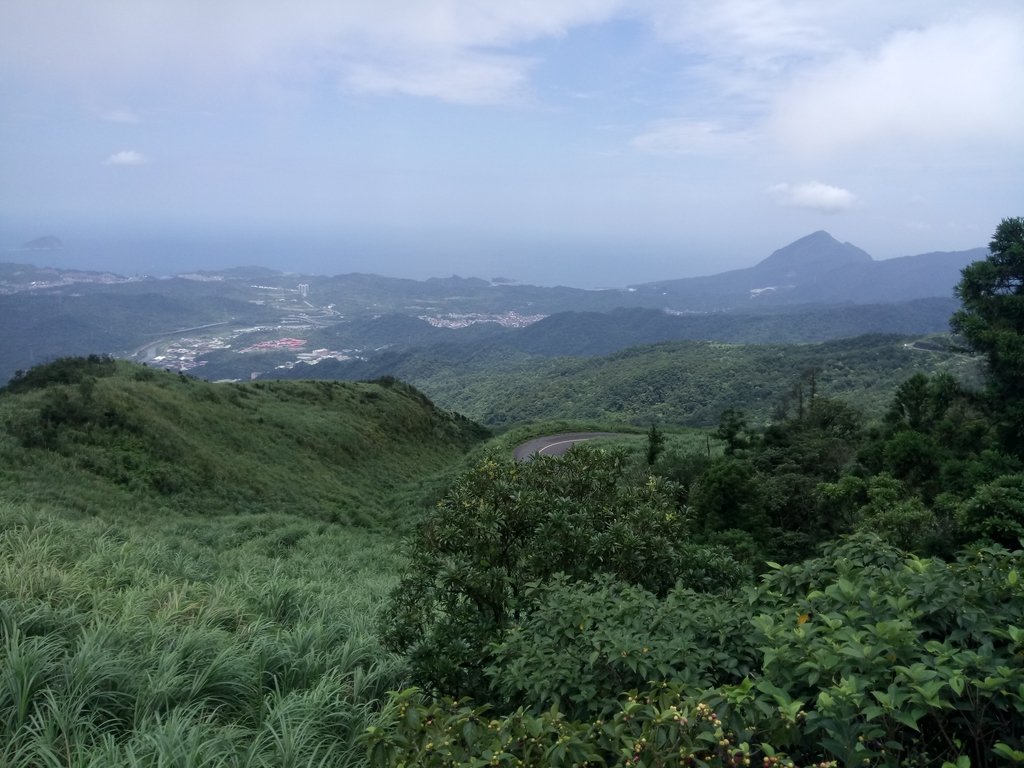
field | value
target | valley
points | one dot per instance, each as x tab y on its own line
251	322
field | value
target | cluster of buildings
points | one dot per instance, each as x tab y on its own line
510	319
318	355
182	355
274	345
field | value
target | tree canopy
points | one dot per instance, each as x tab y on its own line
992	321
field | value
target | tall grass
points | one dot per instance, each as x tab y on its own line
188	642
190	573
139	443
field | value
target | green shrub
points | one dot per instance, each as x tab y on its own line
586	642
996	511
863	656
505	526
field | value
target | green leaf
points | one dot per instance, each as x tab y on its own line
1005	750
909	718
957	683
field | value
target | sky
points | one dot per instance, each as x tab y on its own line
583	142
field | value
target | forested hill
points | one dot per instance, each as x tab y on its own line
675	382
601	333
97	435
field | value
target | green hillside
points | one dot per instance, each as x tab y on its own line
95	435
683	382
190	572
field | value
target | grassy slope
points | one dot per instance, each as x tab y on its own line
190	573
128	439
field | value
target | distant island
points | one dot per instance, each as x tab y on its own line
44	243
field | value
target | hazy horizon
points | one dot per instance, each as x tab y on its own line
581	142
151	252
158	251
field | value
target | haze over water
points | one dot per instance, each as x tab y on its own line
157	252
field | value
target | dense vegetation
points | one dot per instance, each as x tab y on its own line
188	641
864	656
190	571
197	574
97	434
681	382
901	645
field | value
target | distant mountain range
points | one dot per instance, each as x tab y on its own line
818	269
813	289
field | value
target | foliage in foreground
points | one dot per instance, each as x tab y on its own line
507	526
233	641
186	572
864	656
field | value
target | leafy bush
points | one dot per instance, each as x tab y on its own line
505	526
586	642
996	511
895	515
650	729
864	656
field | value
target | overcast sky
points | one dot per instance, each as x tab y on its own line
588	142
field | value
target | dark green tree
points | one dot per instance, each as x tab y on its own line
992	321
732	428
730	495
655	444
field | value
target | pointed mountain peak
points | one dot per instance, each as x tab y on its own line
818	249
821	236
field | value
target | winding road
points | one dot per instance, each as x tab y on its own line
555	445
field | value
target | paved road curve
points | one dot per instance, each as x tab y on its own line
556	445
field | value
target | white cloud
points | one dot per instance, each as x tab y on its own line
685	137
736	54
848	80
938	86
756	31
126	157
433	49
121	115
462	79
813	194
